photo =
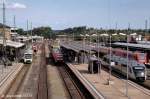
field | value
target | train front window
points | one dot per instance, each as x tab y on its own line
138	68
139	71
28	56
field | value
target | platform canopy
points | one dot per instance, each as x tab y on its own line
12	43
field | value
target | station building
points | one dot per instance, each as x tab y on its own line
14	49
7	31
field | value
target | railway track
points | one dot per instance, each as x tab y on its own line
75	88
31	82
70	84
42	91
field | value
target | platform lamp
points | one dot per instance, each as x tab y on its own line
93	35
110	62
98	47
127	70
86	35
82	44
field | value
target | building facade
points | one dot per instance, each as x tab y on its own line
7	32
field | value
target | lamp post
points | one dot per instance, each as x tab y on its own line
99	65
82	46
93	35
86	35
127	68
110	67
109	61
127	61
110	54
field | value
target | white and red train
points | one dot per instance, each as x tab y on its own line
136	60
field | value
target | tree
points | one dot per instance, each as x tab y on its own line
21	31
46	32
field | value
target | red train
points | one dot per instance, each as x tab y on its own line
138	56
35	48
57	55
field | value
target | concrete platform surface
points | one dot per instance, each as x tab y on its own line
56	88
112	91
8	75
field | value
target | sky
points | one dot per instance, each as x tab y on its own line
61	14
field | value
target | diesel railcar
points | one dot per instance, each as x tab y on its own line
136	70
57	55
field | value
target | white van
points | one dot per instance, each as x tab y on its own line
28	56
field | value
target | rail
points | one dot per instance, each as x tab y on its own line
96	94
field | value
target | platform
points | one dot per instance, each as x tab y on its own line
7	75
113	91
56	87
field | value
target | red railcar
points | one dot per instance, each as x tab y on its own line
57	55
138	56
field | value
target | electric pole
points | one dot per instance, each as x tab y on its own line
14	21
4	32
31	33
146	23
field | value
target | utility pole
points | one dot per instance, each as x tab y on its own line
4	24
146	23
27	27
4	39
31	33
28	34
4	32
15	28
116	26
14	21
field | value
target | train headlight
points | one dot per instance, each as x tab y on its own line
142	73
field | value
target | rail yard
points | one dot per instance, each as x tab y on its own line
53	74
74	49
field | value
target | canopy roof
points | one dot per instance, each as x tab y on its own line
12	43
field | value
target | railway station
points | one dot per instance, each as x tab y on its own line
80	69
74	49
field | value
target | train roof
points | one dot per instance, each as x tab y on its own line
124	61
133	45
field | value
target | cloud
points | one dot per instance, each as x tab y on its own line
17	6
